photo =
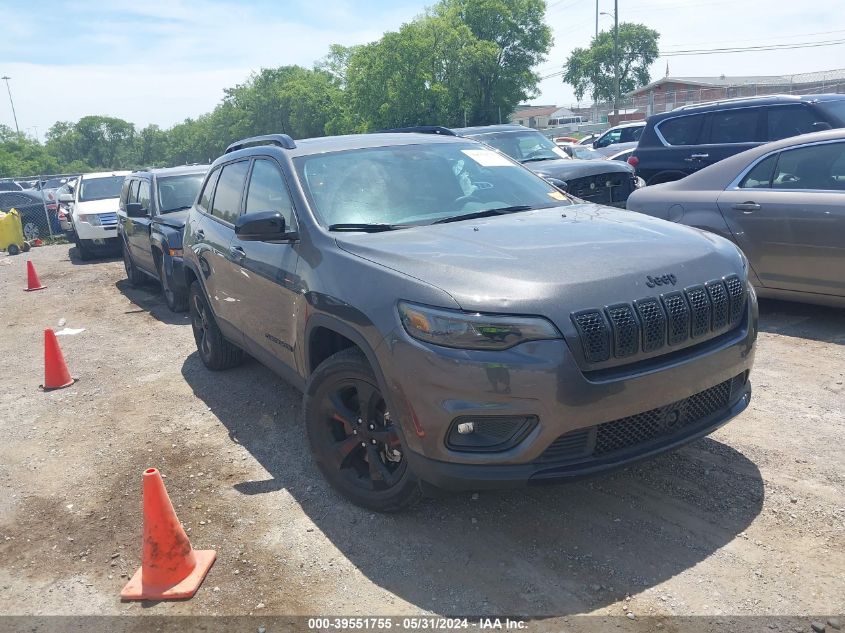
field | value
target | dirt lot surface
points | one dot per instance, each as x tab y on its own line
750	521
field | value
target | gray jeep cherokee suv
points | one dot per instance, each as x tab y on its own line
457	322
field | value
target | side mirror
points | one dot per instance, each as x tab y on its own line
66	197
135	210
263	226
558	184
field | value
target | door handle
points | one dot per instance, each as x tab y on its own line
238	254
698	156
747	207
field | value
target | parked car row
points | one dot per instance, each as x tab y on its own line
456	315
454	319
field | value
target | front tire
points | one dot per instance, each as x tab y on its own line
135	276
354	442
215	351
176	299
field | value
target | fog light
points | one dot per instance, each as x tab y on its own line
489	433
466	427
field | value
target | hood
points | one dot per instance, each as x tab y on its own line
550	261
109	205
176	219
575	168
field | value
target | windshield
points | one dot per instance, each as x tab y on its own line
100	188
836	108
418	184
178	192
523	146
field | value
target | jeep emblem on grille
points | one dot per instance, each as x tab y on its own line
661	280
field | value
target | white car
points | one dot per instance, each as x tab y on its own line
93	215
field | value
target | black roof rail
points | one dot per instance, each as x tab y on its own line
421	129
282	140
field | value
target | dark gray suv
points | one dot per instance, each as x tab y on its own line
454	320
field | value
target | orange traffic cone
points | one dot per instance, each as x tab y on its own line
170	567
32	280
56	375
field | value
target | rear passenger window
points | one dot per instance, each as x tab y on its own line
267	191
227	194
789	121
760	177
734	126
208	191
683	130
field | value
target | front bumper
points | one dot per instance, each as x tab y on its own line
86	231
437	385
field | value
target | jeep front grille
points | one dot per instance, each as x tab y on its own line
602	188
650	324
629	432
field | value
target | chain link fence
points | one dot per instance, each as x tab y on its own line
36	198
640	107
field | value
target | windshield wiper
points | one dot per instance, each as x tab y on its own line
534	160
485	214
366	228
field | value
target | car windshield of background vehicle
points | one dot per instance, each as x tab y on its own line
524	146
176	193
418	184
100	188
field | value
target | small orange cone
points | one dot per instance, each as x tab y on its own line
56	375
32	280
170	567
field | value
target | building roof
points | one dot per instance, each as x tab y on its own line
529	111
740	80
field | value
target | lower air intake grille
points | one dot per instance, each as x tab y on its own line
635	429
629	432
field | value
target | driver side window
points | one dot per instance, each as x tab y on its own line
268	191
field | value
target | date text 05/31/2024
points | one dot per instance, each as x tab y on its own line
414	624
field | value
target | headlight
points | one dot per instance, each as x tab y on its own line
468	330
90	218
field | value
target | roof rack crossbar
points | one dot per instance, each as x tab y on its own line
281	140
420	129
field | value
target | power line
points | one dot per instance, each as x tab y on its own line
749	49
774	37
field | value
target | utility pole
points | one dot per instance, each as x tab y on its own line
6	78
616	60
597	19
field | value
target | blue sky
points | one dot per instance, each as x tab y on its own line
160	61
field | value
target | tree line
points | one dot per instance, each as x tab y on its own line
460	62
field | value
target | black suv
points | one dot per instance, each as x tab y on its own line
455	320
677	143
151	217
598	181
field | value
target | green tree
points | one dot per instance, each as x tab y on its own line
590	70
23	156
521	39
99	141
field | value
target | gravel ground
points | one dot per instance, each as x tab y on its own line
747	522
